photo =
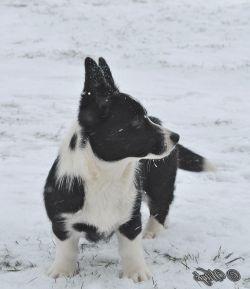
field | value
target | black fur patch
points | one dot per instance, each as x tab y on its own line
91	232
73	142
158	179
66	196
189	160
134	226
158	183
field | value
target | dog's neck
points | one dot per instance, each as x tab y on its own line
82	162
97	168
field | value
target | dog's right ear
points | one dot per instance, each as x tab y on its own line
107	73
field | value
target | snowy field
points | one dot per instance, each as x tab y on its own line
188	61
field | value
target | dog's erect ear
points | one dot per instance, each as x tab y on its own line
96	94
94	79
107	73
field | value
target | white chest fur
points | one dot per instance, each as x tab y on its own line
107	204
109	187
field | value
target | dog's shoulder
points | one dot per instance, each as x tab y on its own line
64	187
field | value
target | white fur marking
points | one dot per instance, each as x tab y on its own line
208	167
132	258
65	259
71	162
153	228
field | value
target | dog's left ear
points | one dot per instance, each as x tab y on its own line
95	100
107	73
95	82
94	78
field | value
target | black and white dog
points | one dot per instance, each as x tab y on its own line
103	168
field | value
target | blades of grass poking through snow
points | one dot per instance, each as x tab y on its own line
222	255
235	259
9	263
146	252
172	258
229	255
39	243
196	258
184	263
110	263
218	254
32	280
32	265
13	270
181	260
155	285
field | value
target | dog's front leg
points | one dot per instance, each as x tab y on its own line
131	251
66	258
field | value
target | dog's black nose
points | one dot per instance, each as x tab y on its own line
174	137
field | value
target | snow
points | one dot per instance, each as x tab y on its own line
188	63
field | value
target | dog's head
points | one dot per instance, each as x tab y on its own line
116	124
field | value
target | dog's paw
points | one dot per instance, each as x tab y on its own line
62	269
153	229
137	273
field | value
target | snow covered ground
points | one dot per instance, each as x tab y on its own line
188	61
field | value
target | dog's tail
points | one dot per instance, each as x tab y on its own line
190	161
